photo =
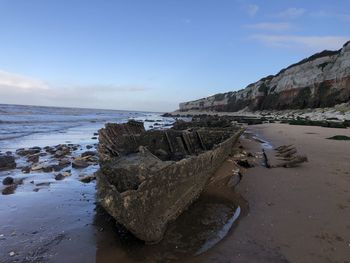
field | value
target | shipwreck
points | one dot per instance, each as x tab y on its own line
148	178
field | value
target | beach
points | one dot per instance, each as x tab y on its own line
256	214
295	214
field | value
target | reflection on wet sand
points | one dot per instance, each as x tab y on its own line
205	223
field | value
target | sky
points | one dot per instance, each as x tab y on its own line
149	55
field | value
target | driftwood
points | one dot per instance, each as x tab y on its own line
287	155
293	162
286	149
283	147
266	161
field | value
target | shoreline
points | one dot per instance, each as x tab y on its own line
275	207
338	113
295	214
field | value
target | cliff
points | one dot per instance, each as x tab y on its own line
322	80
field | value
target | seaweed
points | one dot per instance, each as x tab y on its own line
340	138
327	124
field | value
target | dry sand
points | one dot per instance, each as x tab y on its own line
295	214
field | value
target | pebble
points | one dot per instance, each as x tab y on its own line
8	180
26	169
79	164
87	179
12	254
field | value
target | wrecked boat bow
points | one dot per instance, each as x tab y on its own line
148	178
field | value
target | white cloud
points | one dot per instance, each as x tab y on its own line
252	10
291	13
269	26
18	89
8	79
314	43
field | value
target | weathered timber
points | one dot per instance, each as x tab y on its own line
148	178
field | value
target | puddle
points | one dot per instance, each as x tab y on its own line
264	144
202	226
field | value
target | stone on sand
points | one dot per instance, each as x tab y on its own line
7	162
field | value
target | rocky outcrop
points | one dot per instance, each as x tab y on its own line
322	80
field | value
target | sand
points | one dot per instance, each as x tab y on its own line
288	215
295	214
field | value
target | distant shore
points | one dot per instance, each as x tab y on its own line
339	112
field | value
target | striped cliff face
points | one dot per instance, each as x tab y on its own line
322	80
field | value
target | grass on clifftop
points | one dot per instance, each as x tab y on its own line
339	138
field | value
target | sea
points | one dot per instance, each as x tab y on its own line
24	126
45	219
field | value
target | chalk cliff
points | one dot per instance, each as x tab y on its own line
322	80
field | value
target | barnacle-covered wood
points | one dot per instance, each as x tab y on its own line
148	178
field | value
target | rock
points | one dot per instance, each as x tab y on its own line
66	174
94	138
60	153
8	180
87	179
49	149
64	162
10	189
321	80
26	169
7	162
78	164
88	153
30	151
33	158
95	133
61	176
89	146
48	168
37	167
12	254
244	163
43	184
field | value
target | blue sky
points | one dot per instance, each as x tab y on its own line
151	55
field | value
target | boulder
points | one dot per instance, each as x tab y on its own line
29	151
79	163
33	158
8	180
7	162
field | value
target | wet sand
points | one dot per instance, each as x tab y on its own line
295	214
285	215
